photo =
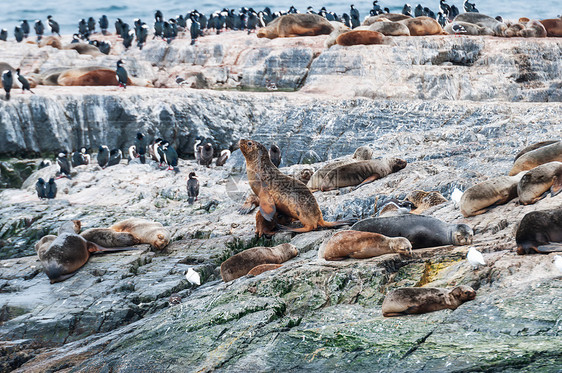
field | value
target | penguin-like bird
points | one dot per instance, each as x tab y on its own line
407	10
40	188
55	28
51	189
140	146
171	157
275	155
121	74
458	29
4	35
26	29
80	158
115	156
64	164
18	34
22	82
354	15
192	188
39	29
7	82
221	160
103	156
104	24
469	7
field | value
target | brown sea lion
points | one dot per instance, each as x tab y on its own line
51	41
523	20
514	30
553	26
360	173
89	76
390	28
362	245
481	197
83	48
279	193
240	264
471	29
72	226
396	207
534	29
536	182
393	17
406	301
291	25
534	158
304	175
251	202
258	270
339	28
423	200
360	37
421	26
145	231
533	147
109	238
362	153
482	20
540	232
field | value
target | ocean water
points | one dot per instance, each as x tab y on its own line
68	12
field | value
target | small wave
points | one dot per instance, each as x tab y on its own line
112	8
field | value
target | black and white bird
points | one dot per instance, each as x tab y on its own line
104	24
51	189
195	28
18	34
275	155
22	82
39	29
91	25
170	157
192	188
121	74
4	35
180	81
453	13
7	82
64	164
458	29
80	158
140	146
128	39
103	156
469	7
221	159
444	7
418	10
115	156
55	28
205	156
407	10
40	188
354	17
26	29
441	19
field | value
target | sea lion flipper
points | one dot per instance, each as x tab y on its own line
95	248
368	180
267	205
550	248
556	186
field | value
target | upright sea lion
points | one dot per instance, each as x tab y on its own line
540	232
471	29
423	200
362	245
240	264
536	182
422	231
359	173
360	37
483	20
296	25
421	26
109	238
145	231
553	27
534	158
362	153
390	28
533	147
406	301
258	270
278	192
481	197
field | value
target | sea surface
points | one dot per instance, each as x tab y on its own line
68	12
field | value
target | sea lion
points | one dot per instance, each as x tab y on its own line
390	28
362	153
514	30
109	238
339	28
396	207
393	17
251	202
360	37
534	158
471	29
483	20
534	29
553	26
258	270
240	264
536	182
533	147
89	76
360	173
51	41
481	197
423	200
540	232
296	25
304	175
422	231
278	192
362	245
83	48
145	231
421	26
523	20
406	301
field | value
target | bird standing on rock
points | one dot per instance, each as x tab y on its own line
193	277
25	28
4	34
39	29
64	164
18	34
192	188
22	82
40	188
205	156
51	189
55	29
7	82
115	156
103	156
171	157
221	160
122	75
475	258
104	24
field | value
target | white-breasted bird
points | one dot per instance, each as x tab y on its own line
193	277
558	262
456	196
475	258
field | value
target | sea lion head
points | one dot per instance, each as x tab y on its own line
461	235
463	293
305	175
396	164
400	245
161	239
252	150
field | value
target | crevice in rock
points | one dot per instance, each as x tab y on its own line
302	81
418	343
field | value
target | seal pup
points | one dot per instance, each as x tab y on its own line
279	192
423	200
534	158
535	183
304	175
360	173
481	197
534	29
192	188
221	159
275	155
362	245
393	17
109	238
406	301
540	232
258	270
296	25
240	264
145	231
533	147
422	231
395	207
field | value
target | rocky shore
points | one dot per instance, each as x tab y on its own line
457	109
